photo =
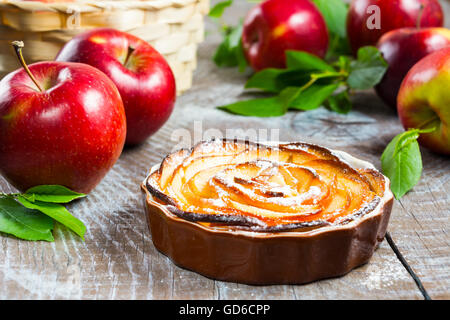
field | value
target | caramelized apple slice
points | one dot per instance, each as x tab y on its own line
262	188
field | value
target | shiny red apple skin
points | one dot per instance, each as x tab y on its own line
424	100
70	134
274	26
394	14
402	49
146	84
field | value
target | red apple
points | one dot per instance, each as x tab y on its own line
144	79
402	49
368	20
275	26
424	100
68	131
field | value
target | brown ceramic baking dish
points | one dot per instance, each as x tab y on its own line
253	256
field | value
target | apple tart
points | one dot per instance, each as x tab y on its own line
266	214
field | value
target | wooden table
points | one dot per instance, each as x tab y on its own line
119	261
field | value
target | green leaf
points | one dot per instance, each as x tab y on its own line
24	223
401	162
335	15
343	63
267	80
340	102
52	193
275	80
337	48
310	98
261	107
230	52
235	35
224	56
219	8
240	57
300	60
368	70
289	94
57	212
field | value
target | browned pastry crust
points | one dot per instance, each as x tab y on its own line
264	214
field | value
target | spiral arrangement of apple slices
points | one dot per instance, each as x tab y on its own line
258	187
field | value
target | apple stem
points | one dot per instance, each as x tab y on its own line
129	53
427	122
419	18
18	45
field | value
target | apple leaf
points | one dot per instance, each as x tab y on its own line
340	102
52	193
230	52
240	57
300	60
301	66
58	212
261	107
266	80
24	223
309	82
310	98
218	10
275	80
335	15
401	161
368	69
31	215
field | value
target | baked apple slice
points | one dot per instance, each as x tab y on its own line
261	188
306	196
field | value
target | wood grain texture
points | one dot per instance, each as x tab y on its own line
119	261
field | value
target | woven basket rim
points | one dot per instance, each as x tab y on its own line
92	5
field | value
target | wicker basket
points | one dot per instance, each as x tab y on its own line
173	27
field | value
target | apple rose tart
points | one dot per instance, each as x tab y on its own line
259	214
